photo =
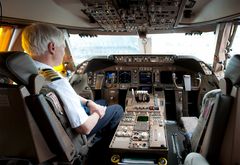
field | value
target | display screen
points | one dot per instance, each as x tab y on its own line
146	88
145	77
111	76
166	77
124	76
179	76
142	118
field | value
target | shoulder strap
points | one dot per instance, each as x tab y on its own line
57	106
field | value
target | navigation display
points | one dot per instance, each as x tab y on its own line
166	77
145	77
124	76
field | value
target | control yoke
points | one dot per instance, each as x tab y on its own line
187	82
185	88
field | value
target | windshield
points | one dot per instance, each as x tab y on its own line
200	46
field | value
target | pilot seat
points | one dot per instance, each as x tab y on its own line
33	126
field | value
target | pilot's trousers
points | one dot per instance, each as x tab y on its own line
104	131
107	125
110	120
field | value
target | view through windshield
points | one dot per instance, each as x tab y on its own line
200	46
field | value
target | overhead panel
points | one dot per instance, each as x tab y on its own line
134	15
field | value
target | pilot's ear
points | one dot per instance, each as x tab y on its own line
51	47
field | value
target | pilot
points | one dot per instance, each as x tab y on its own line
46	45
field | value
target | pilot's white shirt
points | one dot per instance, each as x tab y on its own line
71	100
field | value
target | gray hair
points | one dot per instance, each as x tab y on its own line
36	37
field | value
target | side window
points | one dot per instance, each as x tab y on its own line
6	33
235	48
236	43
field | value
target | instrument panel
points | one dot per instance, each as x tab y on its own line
126	71
123	77
109	77
163	59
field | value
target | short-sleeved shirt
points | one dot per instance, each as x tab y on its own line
71	100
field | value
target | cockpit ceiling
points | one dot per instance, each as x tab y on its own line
158	16
123	16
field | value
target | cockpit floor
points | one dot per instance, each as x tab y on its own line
174	130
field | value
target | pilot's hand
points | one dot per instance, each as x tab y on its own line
99	109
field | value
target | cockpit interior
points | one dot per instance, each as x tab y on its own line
172	65
112	77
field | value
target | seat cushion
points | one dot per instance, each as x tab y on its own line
189	124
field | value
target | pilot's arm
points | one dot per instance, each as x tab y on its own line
93	107
75	112
97	111
88	125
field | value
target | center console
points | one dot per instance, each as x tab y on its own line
141	132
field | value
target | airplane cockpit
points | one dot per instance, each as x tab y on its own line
112	77
172	65
149	87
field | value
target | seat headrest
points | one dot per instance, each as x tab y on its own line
18	66
225	85
233	70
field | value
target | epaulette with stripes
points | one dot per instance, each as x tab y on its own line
50	74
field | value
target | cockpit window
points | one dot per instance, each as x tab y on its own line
235	49
86	47
201	46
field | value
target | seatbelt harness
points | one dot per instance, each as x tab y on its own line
79	140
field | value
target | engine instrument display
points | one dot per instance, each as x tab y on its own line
145	77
